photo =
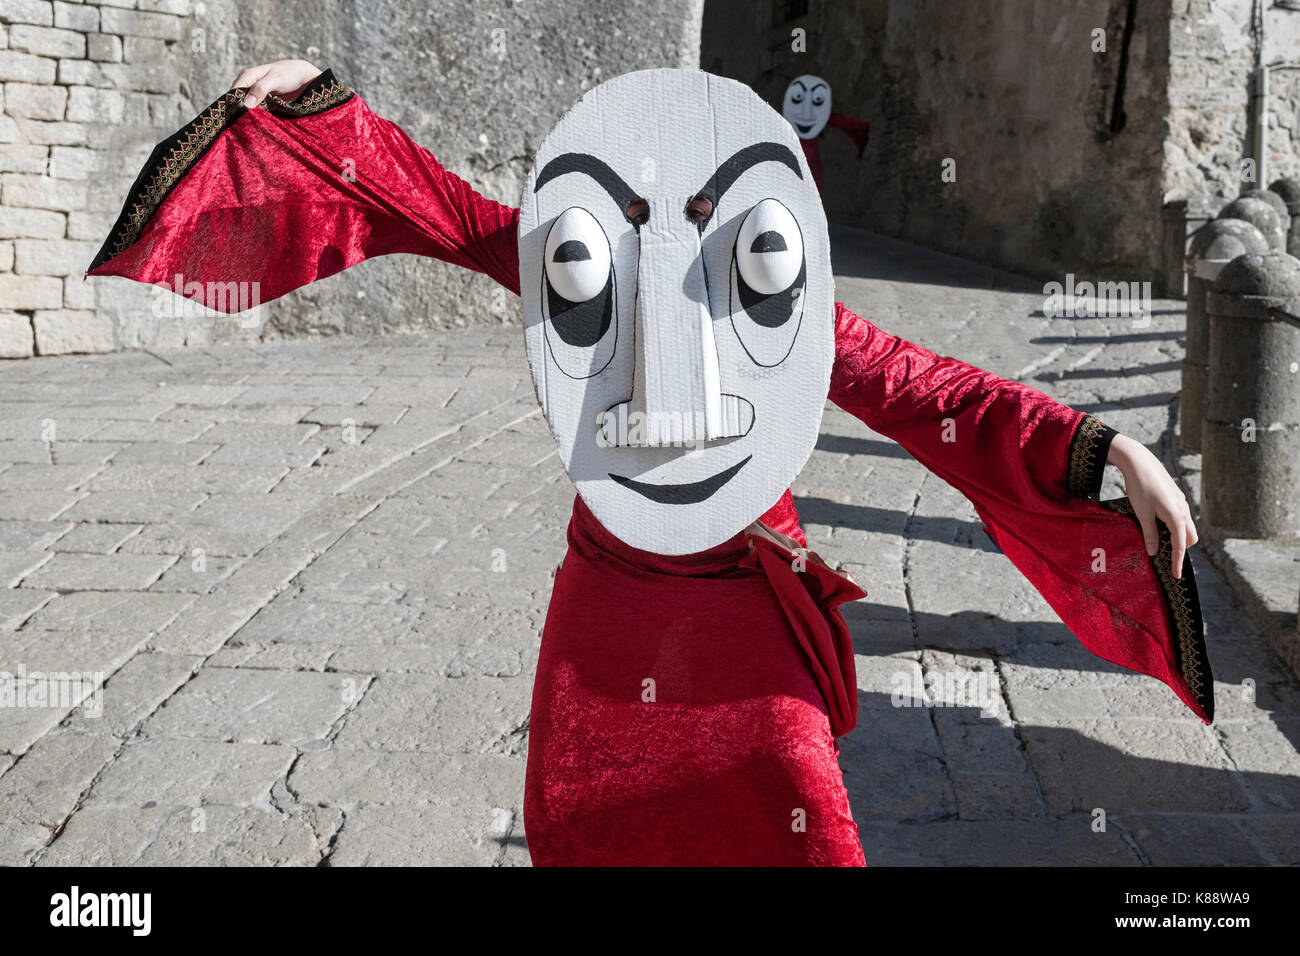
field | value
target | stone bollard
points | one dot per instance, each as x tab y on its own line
1181	218
1259	214
1213	246
1277	204
1251	433
1289	190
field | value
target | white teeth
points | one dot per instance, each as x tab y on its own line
737	417
622	426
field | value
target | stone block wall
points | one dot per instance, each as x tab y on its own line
85	87
1210	125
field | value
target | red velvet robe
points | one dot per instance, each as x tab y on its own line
693	720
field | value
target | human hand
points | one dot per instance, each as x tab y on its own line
285	78
1153	494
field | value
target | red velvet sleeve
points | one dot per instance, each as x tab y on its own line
288	193
1032	467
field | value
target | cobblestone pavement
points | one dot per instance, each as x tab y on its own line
314	574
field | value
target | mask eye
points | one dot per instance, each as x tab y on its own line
768	281
577	255
699	209
637	212
578	294
769	248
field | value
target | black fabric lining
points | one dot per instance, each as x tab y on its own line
1184	604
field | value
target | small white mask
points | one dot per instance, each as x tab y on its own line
682	365
807	105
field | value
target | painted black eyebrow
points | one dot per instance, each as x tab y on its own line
610	181
742	160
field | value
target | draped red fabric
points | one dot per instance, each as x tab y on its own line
685	708
679	709
810	593
268	197
783	517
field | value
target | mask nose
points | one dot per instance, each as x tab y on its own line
676	387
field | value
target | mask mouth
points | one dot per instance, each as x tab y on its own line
689	493
803	127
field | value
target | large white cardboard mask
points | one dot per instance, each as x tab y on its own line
682	365
807	105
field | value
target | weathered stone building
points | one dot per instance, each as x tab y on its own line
1068	124
1063	153
1211	128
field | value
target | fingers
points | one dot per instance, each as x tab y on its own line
1150	535
282	77
1178	539
1182	534
257	92
1188	536
250	76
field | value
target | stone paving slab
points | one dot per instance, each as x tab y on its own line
99	572
411	836
242	836
139	612
313	575
256	706
191	773
97	538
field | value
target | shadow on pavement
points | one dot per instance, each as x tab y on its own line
1068	374
860	254
1123	338
835	514
992	794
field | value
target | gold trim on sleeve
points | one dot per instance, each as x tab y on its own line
315	99
1084	476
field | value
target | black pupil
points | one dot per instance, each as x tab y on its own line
770	241
572	251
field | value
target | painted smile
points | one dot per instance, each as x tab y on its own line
684	494
803	127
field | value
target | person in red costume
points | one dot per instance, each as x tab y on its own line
687	698
807	106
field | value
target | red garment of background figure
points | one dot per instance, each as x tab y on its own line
727	756
855	129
